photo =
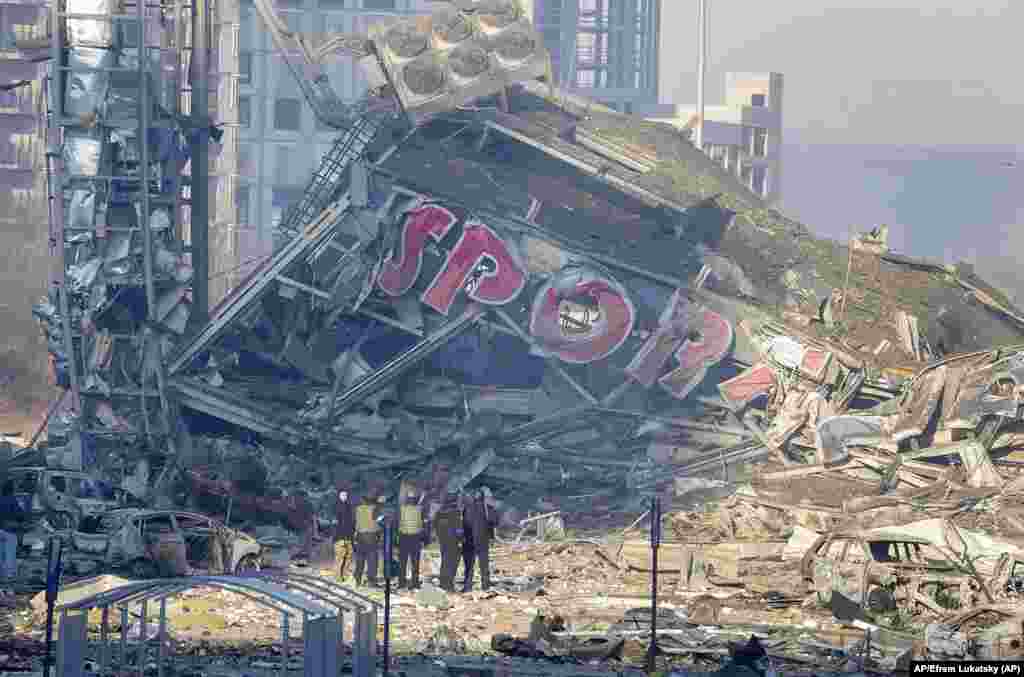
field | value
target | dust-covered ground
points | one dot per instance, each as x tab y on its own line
591	588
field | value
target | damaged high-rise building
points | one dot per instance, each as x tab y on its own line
605	50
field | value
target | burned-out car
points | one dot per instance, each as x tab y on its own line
884	574
63	497
147	543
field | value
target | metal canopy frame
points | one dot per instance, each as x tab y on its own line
317	600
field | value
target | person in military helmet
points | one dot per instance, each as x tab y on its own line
413	534
367	541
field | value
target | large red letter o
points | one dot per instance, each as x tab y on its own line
613	326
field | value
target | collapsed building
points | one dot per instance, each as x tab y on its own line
486	279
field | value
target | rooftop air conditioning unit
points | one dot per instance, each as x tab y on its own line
442	61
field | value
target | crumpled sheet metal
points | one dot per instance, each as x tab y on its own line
834	431
118	247
741	390
90	32
82	152
86	90
84	275
975	399
920	408
80	209
812	363
107	418
978	467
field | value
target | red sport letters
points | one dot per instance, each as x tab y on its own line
495	288
698	338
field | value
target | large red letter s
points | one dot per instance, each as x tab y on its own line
399	272
614	320
495	287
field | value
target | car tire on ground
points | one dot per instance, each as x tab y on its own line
250	564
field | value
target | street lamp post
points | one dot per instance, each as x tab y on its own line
652	649
702	39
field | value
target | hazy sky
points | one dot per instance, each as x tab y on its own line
859	71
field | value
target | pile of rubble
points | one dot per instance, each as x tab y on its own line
574	307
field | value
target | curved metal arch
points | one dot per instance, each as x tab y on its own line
100	599
318	594
163	588
151	592
337	588
178	589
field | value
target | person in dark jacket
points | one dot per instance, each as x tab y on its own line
344	531
448	526
479	520
367	540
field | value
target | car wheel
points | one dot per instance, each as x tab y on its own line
143	569
250	564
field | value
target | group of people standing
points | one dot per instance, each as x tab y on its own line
463	523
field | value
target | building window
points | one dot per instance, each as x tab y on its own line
242	196
245	67
378	4
245	111
288	115
758	180
331	4
759	142
757	100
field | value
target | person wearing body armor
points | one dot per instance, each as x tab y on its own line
478	520
448	525
413	534
344	532
367	540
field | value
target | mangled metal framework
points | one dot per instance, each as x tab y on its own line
115	157
381	287
504	256
384	298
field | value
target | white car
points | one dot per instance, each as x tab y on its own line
149	543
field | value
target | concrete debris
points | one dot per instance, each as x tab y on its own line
445	311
